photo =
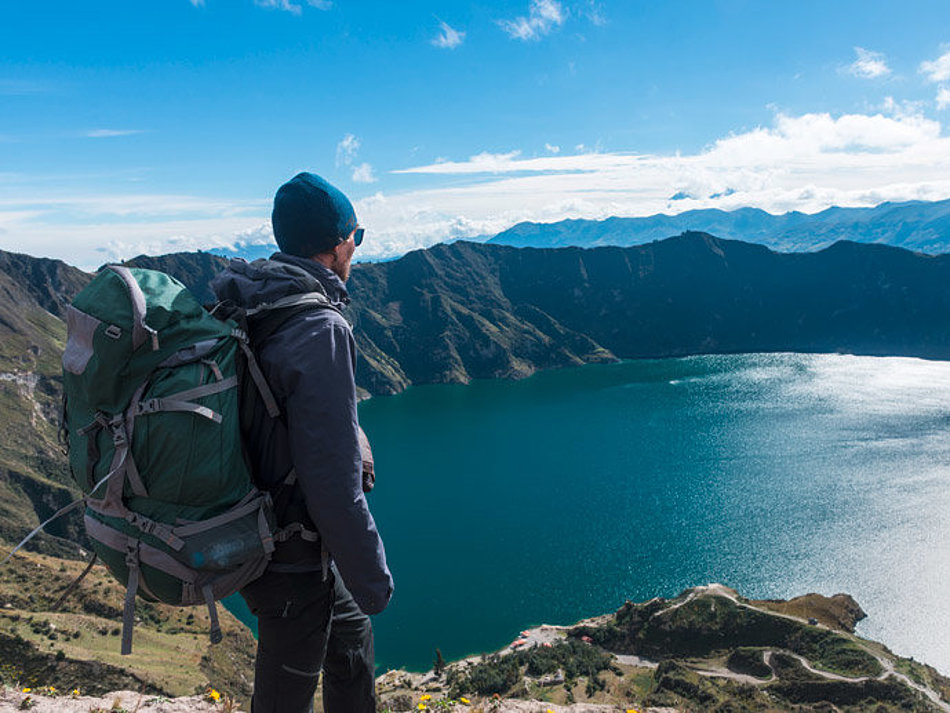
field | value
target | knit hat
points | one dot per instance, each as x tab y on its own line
311	216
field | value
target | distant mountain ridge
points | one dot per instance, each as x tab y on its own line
915	225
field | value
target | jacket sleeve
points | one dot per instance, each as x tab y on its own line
318	380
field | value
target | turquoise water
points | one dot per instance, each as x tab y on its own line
507	504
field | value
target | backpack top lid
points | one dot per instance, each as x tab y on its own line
125	323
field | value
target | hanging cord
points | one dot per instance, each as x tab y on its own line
62	511
75	583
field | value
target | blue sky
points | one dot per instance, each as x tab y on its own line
160	126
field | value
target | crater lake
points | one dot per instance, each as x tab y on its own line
505	504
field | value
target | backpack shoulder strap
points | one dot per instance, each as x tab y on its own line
267	318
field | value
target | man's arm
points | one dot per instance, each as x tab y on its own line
323	431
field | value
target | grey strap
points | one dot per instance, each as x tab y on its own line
263	530
215	633
199	392
151	556
132	472
182	401
156	405
59	513
296	528
267	396
324	560
134	477
249	504
141	332
156	529
307	298
196	352
215	369
128	611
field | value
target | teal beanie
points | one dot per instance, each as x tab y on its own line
311	216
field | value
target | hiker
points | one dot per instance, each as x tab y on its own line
314	600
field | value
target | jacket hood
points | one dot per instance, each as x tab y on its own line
250	284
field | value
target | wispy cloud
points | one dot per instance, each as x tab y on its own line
905	107
346	152
364	174
595	13
552	149
197	3
543	16
869	65
448	37
291	6
110	133
943	98
937	70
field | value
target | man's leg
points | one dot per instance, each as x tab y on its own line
349	680
293	615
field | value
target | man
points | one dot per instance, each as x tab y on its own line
311	615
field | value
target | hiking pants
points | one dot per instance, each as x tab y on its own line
305	624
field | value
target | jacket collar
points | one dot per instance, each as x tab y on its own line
331	282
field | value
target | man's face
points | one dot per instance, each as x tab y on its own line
342	255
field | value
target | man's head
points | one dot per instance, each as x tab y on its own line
313	219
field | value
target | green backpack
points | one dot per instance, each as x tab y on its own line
152	414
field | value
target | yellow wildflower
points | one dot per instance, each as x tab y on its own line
464	700
422	706
214	695
27	690
75	691
425	697
632	710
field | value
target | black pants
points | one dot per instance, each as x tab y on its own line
305	624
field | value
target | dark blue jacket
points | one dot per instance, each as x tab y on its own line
310	364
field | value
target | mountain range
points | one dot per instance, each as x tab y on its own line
466	311
916	225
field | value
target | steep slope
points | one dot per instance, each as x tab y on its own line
34	482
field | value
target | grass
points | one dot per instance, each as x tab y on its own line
79	647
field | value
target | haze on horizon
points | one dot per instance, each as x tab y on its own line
167	126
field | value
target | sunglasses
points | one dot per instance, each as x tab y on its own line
358	236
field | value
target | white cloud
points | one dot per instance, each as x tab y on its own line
943	98
110	133
363	174
904	107
543	17
595	13
89	230
937	70
198	3
869	65
448	37
552	149
346	150
291	6
806	163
